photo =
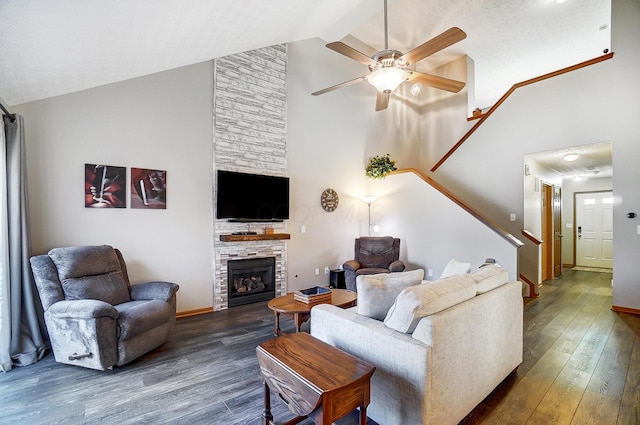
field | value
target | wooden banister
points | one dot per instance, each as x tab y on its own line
484	219
508	93
527	234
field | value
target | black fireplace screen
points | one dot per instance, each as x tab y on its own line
251	280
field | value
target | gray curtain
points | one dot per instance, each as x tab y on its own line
25	315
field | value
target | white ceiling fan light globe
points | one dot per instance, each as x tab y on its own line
387	79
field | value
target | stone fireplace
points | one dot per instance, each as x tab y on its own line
250	280
249	135
232	252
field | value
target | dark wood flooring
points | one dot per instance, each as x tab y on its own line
581	366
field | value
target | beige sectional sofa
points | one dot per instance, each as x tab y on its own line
439	347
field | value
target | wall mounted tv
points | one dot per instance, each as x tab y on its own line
247	197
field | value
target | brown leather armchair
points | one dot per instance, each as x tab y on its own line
373	255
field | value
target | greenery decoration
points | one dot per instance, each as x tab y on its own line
380	166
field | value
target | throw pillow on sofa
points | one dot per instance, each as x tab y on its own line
454	268
377	292
416	302
489	277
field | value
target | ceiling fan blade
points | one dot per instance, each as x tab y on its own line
382	101
351	53
337	86
437	43
435	81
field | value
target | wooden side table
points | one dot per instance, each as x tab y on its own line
313	378
300	311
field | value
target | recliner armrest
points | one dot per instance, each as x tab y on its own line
351	265
396	266
156	290
82	310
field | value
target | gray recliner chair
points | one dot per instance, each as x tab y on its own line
373	255
95	318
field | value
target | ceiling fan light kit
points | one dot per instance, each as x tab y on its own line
388	68
387	79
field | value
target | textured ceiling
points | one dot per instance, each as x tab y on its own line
594	161
55	47
48	48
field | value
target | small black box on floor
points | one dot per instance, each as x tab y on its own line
336	279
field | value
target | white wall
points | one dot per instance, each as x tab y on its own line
331	137
532	193
162	121
594	104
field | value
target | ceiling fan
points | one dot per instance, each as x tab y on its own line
390	68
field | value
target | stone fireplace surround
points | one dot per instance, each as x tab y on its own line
249	135
229	251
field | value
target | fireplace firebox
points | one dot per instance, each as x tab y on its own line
251	280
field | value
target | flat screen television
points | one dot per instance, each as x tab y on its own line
248	197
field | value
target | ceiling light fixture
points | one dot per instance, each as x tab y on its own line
578	178
387	79
415	89
570	157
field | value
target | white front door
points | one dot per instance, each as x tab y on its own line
594	229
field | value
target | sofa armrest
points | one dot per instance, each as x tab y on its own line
351	265
401	361
156	290
82	310
476	344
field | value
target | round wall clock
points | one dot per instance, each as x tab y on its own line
329	200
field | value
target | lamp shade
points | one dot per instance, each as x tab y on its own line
387	79
369	199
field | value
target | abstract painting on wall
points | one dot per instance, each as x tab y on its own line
148	188
104	186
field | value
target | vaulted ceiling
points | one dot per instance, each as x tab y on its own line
49	48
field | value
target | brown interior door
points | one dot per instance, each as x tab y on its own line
547	232
557	231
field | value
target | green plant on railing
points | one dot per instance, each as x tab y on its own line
380	166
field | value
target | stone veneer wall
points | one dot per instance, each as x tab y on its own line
250	136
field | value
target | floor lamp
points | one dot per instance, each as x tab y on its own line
369	200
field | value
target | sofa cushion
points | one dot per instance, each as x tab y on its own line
455	267
416	302
377	292
489	277
110	288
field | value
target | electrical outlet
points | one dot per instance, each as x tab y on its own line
326	270
317	271
512	217
430	273
303	229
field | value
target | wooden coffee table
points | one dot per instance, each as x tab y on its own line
300	311
313	378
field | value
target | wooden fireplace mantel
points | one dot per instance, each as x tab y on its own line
258	237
